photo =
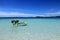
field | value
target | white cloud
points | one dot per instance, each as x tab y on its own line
53	14
17	14
13	14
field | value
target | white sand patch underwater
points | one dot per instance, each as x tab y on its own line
28	36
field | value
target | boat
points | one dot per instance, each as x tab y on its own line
22	24
16	22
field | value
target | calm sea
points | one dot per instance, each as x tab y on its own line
36	29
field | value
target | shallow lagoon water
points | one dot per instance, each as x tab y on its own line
36	29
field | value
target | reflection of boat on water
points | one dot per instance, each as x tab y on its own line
16	22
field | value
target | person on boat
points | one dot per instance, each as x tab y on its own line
15	22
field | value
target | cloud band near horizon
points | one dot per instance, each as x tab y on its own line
17	14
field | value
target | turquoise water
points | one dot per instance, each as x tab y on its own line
36	29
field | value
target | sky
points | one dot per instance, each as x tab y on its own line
29	8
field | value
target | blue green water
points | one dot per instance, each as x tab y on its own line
36	29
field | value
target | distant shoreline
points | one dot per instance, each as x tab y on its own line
25	17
